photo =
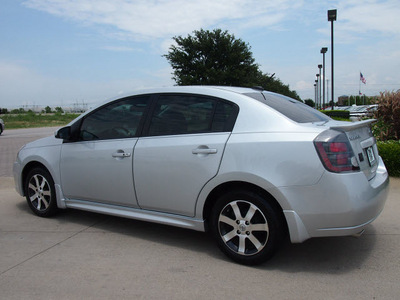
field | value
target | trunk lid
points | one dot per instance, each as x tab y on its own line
363	143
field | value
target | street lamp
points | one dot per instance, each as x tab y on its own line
320	99
323	51
332	14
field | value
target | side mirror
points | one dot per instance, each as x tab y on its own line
64	133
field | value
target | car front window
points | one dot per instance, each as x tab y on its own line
117	120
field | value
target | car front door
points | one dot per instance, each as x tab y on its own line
98	167
182	151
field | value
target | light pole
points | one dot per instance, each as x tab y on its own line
318	88
320	79
327	91
323	51
332	14
315	95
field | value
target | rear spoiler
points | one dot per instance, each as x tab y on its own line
351	126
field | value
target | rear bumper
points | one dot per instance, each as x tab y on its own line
338	205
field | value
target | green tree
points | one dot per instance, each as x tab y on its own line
18	111
352	100
212	58
309	102
59	110
47	109
218	58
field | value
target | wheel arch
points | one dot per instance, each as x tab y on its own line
27	168
242	185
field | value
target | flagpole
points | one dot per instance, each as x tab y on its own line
362	79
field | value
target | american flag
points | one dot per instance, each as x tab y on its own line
362	78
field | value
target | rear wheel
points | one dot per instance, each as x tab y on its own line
246	227
40	192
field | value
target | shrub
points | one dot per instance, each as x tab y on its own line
390	153
388	116
381	130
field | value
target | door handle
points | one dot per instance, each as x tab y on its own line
204	151
121	154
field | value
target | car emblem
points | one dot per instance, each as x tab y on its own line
354	137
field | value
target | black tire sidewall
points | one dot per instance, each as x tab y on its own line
52	208
272	215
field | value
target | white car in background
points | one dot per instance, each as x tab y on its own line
248	165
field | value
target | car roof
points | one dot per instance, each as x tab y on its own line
190	89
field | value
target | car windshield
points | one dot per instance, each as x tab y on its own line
291	108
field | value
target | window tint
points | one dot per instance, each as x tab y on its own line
291	108
117	120
225	117
188	114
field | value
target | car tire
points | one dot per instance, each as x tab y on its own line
246	227
40	192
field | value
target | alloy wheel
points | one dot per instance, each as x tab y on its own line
39	192
243	227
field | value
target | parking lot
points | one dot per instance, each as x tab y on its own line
82	255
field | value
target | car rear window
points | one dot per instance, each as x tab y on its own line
291	108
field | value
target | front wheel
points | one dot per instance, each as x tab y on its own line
246	227
40	192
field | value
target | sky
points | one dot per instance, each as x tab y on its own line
69	52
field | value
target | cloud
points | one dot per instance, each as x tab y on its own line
302	85
370	15
142	19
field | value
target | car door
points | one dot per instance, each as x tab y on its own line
186	137
98	167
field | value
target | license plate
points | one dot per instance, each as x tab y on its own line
371	155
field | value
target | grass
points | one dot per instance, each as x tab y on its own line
32	120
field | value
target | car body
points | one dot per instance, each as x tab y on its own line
248	165
2	126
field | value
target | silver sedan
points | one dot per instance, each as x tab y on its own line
250	166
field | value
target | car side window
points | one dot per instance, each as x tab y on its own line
188	114
120	119
224	117
181	114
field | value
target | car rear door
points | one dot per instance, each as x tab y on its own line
185	142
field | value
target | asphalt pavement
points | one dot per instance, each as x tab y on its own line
82	255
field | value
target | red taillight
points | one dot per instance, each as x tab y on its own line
338	147
335	151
